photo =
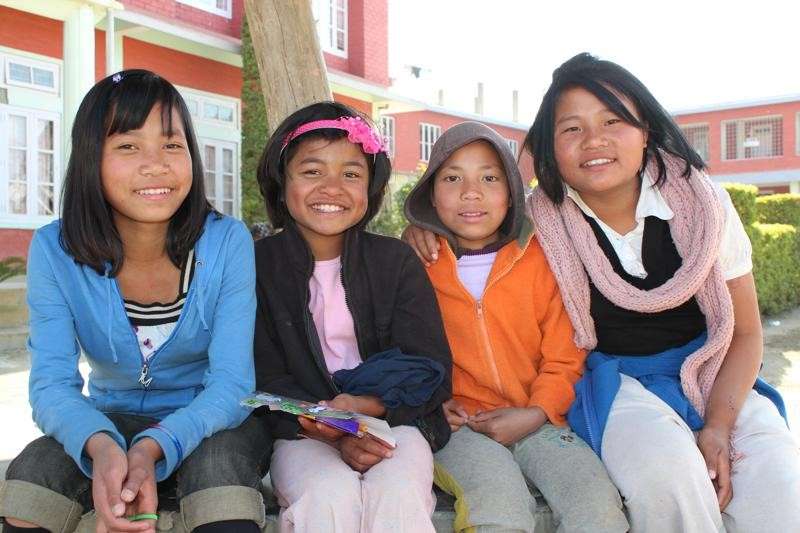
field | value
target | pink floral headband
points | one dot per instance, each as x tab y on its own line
358	132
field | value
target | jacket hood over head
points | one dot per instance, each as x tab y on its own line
419	209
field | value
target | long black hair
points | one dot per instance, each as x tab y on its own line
605	80
116	104
275	158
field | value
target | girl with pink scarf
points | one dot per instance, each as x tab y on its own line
655	272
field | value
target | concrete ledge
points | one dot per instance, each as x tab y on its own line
442	518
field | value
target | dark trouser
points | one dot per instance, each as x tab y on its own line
219	480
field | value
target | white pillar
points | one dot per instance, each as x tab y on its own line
794	187
78	64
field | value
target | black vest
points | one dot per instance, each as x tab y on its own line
624	332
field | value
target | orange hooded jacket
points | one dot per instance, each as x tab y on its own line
514	347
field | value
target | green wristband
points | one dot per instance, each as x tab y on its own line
143	516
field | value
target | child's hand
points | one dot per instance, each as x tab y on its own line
423	242
455	414
363	453
714	444
366	405
139	491
319	431
508	424
109	470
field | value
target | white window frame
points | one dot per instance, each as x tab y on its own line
218	196
322	14
31	218
684	127
200	4
428	134
203	100
387	129
53	68
797	134
514	146
724	138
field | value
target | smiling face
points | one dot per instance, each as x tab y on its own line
326	192
146	174
471	194
597	152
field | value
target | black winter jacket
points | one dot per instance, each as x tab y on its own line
392	303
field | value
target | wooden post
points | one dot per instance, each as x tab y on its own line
290	63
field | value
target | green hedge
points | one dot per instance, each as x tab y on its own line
773	224
744	200
776	265
779	209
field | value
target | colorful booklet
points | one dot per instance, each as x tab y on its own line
346	421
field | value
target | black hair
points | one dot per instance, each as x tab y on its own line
275	158
605	80
116	104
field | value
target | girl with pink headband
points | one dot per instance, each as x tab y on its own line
348	318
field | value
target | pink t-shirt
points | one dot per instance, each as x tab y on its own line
332	319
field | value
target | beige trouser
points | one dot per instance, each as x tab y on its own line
652	457
319	493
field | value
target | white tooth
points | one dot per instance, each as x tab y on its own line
327	208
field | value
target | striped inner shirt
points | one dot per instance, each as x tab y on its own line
157	313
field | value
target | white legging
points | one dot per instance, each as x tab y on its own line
652	457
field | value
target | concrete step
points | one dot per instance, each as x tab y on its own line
442	518
13	306
13	339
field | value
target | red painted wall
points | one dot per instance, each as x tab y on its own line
789	159
367	42
32	33
183	69
407	139
15	242
186	14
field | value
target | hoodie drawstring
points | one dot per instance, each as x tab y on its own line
201	298
109	317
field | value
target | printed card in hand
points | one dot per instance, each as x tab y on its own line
346	421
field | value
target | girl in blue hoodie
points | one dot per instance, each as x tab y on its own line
157	290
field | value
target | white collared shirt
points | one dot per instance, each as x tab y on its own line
735	253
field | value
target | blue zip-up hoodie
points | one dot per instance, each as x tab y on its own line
197	377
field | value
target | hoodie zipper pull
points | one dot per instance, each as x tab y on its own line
143	379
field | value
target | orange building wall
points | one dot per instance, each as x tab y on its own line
183	69
32	33
789	160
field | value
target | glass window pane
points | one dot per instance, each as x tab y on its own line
45	167
227	160
45	134
193	107
42	77
211	159
210	110
19	72
227	207
19	131
18	198
226	114
210	181
227	187
18	165
222	5
45	199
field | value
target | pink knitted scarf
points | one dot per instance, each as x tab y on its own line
572	251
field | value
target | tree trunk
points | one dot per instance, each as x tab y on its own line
290	62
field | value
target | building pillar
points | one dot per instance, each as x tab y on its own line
78	64
794	187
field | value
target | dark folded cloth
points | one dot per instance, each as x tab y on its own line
396	378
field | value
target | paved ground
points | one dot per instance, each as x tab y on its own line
781	368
